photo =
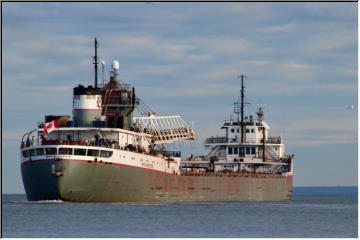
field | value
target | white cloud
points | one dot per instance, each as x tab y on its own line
12	135
261	63
333	139
340	123
279	28
318	130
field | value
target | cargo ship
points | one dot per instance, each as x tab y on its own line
105	154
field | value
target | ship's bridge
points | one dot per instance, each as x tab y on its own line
253	132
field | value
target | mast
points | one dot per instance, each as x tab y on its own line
242	91
96	63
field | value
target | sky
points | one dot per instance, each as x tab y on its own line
300	60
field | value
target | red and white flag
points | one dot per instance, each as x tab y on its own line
49	127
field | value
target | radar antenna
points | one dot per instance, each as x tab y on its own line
260	112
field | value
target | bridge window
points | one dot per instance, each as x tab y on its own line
66	151
50	151
107	154
242	152
39	151
32	152
25	153
92	152
236	150
80	151
229	150
253	151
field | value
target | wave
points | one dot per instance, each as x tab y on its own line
49	201
34	202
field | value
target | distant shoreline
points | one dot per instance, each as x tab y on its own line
334	190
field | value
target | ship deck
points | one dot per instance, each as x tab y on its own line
233	174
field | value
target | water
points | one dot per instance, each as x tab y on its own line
311	214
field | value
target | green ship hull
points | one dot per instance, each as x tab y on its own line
82	181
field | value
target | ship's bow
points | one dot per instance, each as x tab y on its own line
39	181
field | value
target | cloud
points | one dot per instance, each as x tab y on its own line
12	138
279	28
260	63
12	135
318	130
333	139
341	123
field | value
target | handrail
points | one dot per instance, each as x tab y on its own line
22	139
26	134
168	153
217	140
131	148
276	140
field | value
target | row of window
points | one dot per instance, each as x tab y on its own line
241	151
247	130
67	151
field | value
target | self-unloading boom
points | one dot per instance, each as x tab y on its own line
165	129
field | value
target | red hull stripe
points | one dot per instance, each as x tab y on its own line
80	160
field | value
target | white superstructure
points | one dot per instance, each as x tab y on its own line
108	145
229	153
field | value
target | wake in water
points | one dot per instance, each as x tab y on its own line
49	201
36	202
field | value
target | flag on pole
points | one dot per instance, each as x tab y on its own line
49	127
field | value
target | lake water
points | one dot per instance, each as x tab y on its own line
313	212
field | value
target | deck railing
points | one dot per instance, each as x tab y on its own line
168	153
276	140
106	144
216	140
